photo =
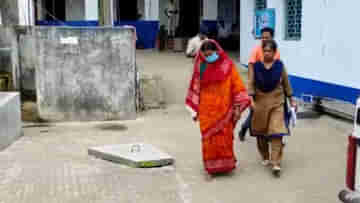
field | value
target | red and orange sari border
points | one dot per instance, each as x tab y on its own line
220	165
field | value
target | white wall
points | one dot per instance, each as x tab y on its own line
26	12
210	9
91	10
328	46
247	41
151	9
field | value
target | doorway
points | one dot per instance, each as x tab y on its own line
128	10
190	12
55	10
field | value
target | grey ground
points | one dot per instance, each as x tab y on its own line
50	163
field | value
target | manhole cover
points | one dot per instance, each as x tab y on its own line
136	155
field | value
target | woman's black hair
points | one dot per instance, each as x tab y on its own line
269	30
270	43
207	45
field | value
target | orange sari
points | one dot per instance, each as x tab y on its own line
212	98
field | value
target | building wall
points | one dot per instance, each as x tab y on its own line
210	9
151	10
75	10
91	10
326	51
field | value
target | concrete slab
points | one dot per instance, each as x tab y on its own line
10	116
134	155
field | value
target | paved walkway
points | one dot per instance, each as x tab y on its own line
50	163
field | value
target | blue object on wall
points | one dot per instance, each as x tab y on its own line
89	23
146	32
264	18
211	25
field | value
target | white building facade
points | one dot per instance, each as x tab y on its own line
316	42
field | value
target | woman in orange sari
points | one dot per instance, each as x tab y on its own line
216	97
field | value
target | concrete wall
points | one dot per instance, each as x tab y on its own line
17	55
327	50
9	58
85	73
10	116
9	12
75	10
17	12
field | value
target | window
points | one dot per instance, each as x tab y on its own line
55	10
293	19
260	4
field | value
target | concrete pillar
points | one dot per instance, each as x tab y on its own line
91	10
106	12
210	10
151	10
26	12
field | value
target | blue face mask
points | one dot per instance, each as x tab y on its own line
212	58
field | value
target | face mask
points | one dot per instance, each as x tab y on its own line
212	58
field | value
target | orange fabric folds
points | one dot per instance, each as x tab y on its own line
213	100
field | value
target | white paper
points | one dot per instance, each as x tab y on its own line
69	40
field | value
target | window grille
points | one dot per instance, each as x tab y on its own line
260	4
293	19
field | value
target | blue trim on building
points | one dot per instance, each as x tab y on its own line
147	32
304	86
317	88
211	25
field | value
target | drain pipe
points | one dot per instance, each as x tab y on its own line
349	196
